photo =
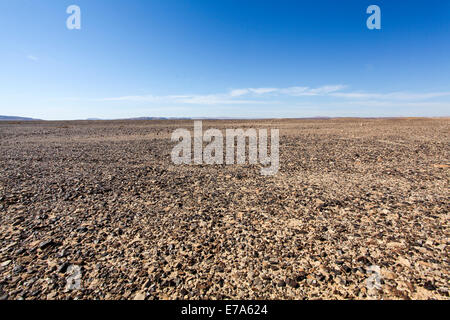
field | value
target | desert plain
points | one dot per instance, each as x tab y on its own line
97	210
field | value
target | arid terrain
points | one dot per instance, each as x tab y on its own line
96	210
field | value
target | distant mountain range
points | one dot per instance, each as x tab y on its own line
156	118
13	118
168	118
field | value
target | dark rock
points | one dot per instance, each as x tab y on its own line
281	283
292	283
18	269
46	244
184	292
266	278
147	283
62	253
301	276
364	260
20	251
429	286
63	267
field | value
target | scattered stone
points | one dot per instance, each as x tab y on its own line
292	283
355	212
184	292
18	269
5	263
346	268
139	296
301	276
46	243
281	283
63	267
429	286
147	283
20	251
52	295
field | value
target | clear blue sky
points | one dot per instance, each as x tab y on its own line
224	58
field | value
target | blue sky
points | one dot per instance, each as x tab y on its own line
224	59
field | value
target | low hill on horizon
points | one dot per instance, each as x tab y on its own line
14	118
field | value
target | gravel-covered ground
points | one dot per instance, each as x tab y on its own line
358	210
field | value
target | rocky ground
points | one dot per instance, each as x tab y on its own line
97	210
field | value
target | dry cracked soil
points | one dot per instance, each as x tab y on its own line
97	210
